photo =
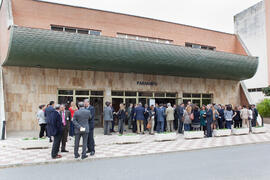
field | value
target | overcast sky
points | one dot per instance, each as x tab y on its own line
211	14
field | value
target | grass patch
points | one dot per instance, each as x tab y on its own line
33	138
127	134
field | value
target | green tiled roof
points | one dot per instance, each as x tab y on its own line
51	49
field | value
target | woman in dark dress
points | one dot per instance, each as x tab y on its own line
196	121
237	118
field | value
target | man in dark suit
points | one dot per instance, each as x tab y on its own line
90	140
139	113
55	129
66	118
180	112
47	113
81	120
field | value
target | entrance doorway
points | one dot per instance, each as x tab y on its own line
97	103
95	97
116	103
80	99
130	101
165	101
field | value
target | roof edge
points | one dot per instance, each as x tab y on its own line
142	17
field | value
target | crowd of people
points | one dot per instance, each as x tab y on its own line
163	117
61	121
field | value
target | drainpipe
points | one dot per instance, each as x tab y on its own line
2	108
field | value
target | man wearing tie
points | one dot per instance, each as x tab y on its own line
66	117
55	129
90	141
81	120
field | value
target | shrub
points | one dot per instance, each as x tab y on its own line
264	108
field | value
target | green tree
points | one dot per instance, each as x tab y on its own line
264	108
266	91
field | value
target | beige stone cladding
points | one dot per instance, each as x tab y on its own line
27	88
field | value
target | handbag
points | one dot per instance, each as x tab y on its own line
191	116
149	125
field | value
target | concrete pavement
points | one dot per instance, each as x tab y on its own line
11	153
246	162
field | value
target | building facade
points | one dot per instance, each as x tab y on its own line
52	51
253	28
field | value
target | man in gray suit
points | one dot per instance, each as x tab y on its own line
81	129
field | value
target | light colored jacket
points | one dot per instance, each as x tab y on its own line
186	117
108	115
170	113
228	115
41	117
244	113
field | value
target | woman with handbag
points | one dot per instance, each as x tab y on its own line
188	117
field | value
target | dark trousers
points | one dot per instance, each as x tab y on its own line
237	124
175	124
112	129
77	143
71	129
42	130
121	126
208	129
220	123
145	122
180	125
91	141
56	145
155	126
160	126
134	126
253	122
106	127
229	124
64	138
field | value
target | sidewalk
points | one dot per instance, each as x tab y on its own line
11	153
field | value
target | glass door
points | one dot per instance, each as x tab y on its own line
130	101
97	103
80	99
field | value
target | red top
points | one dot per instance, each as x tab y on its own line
72	111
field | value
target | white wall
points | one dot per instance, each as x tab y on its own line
250	26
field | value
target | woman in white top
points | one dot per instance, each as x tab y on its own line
41	120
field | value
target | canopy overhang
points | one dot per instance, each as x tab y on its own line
31	47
